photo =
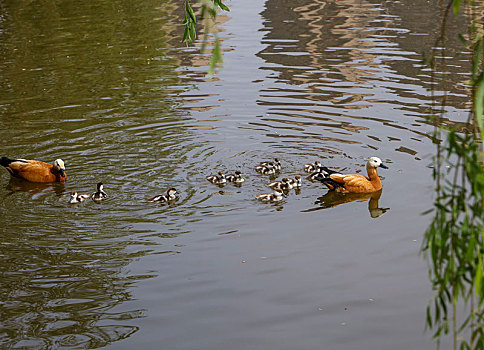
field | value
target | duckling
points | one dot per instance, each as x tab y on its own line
235	178
321	172
165	198
310	167
77	197
296	182
99	195
276	196
283	185
217	179
268	169
276	163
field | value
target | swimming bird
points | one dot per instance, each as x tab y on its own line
312	167
217	179
165	198
35	170
99	195
235	178
295	182
282	185
276	164
276	196
321	173
356	183
77	197
268	169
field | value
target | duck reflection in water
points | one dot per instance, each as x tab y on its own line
21	185
333	198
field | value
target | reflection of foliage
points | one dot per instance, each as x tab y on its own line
208	15
454	240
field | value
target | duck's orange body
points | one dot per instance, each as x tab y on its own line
35	170
355	183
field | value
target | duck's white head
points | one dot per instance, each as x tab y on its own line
59	164
376	162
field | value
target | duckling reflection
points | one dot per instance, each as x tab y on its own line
333	199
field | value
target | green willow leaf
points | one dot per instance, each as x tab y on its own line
456	7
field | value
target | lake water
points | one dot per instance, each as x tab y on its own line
108	87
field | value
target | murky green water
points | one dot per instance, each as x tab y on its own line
108	87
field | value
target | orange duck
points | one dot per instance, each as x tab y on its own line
35	170
354	183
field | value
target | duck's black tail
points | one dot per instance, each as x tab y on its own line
4	161
330	183
326	172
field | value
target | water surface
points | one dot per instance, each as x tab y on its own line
110	89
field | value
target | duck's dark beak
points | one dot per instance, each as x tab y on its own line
383	166
62	172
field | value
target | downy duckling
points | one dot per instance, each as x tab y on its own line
268	169
276	164
312	167
235	178
321	173
165	198
282	185
276	196
77	197
217	179
99	195
296	182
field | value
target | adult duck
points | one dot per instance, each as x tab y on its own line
35	170
356	183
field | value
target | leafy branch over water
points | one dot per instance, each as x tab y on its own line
209	9
454	239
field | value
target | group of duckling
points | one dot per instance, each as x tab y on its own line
280	188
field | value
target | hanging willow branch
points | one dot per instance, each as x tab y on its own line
209	11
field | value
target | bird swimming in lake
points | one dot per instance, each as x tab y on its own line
218	179
312	167
235	178
268	169
295	182
356	183
99	195
276	196
165	198
78	197
321	172
35	170
276	164
282	185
